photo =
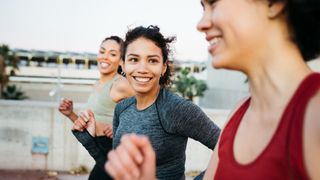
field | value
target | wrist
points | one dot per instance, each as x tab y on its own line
72	116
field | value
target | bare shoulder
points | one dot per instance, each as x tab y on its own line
121	89
311	137
313	113
121	82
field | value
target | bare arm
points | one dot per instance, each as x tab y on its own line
311	138
213	164
66	108
121	89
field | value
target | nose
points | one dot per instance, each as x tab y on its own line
205	22
101	56
143	67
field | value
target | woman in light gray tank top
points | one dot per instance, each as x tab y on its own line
109	89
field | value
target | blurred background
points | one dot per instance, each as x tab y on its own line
48	51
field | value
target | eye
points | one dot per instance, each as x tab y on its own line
113	55
153	61
211	2
101	52
132	59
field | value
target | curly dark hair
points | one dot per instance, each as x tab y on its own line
303	20
120	42
152	33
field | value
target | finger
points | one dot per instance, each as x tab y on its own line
84	117
119	172
109	134
77	127
61	108
107	129
90	114
132	147
81	122
111	171
147	148
128	162
149	165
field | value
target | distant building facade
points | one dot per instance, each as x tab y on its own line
227	88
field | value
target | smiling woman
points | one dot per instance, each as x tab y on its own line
109	89
167	119
274	133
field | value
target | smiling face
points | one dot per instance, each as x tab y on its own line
144	65
235	31
109	57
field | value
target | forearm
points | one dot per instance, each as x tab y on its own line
73	116
91	146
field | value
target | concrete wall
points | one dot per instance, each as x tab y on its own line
22	120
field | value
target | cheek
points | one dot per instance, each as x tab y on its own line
126	68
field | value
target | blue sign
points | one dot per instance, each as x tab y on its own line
40	145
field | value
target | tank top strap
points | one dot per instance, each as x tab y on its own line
228	134
109	84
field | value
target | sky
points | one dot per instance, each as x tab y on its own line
81	25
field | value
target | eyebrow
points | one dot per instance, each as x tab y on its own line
150	56
112	50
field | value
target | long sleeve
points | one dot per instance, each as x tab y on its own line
182	117
91	146
189	120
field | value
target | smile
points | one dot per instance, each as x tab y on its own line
213	44
214	41
104	64
142	79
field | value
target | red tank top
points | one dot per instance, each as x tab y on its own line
283	156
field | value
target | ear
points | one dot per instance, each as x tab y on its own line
121	64
276	8
164	68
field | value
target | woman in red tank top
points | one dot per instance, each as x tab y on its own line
274	133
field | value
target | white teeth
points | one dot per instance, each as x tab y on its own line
104	65
142	79
214	40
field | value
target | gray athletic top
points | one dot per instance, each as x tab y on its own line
168	123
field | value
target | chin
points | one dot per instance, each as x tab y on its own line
215	63
105	72
141	90
219	62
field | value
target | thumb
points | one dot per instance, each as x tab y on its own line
91	116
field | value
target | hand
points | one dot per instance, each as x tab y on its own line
134	158
107	130
86	121
66	107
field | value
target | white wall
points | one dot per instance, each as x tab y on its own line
22	120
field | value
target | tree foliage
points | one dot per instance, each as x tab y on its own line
7	58
188	86
14	93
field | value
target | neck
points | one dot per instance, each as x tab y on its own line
275	79
104	78
146	100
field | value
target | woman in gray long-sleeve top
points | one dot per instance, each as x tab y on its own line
167	119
